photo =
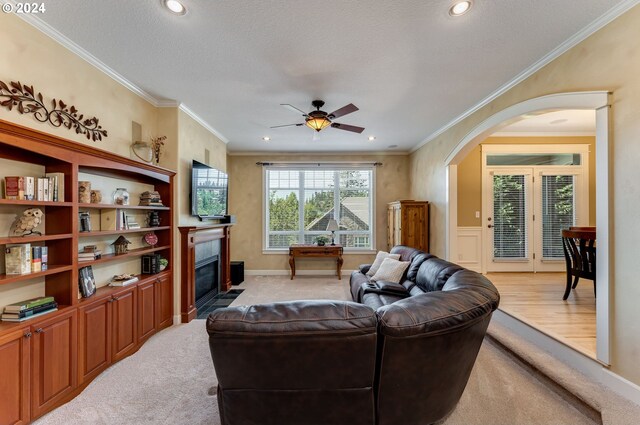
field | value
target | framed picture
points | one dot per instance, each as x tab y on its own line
86	282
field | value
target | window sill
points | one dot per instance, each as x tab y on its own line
285	251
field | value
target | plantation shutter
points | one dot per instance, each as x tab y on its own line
558	212
510	229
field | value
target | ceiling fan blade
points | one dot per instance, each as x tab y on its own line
347	127
287	125
294	109
343	111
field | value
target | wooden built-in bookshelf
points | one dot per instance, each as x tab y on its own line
51	358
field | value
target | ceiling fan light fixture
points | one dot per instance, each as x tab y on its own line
460	8
317	123
175	7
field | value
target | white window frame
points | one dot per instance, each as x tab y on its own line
294	166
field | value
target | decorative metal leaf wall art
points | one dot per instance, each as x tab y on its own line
24	99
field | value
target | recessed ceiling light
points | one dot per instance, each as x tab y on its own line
460	8
266	138
393	146
175	7
372	138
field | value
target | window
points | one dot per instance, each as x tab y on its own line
299	202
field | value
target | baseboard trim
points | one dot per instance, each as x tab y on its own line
586	365
288	272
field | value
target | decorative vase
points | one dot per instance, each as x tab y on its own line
84	192
320	243
121	196
96	196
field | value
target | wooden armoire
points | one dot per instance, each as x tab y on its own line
408	224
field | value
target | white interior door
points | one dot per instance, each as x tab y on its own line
509	221
527	209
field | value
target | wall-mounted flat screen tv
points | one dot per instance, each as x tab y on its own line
208	191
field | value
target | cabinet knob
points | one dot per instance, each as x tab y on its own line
114	299
39	330
27	335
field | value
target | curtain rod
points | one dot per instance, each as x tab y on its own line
318	164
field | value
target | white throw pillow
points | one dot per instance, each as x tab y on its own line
391	270
378	261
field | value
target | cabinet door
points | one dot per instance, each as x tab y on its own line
124	324
146	311
94	339
14	381
164	302
53	361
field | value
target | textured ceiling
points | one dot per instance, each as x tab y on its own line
407	65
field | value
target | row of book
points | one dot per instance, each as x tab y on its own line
47	188
115	219
28	309
23	258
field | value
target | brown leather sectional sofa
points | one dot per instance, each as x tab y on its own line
401	355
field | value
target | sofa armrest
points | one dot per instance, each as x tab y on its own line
364	268
383	287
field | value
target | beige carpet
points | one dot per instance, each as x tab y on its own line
169	380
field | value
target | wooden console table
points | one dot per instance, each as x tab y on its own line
306	251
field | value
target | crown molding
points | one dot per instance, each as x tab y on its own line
578	37
202	122
67	43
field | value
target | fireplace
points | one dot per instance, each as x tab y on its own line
207	271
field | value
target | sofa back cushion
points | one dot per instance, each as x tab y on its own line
434	273
416	262
406	252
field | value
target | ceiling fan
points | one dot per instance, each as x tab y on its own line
318	120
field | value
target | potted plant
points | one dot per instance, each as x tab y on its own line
163	263
321	240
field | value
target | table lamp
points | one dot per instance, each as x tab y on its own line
332	226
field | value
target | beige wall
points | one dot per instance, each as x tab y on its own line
608	60
33	58
245	201
470	175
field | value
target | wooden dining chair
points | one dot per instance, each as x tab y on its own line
580	256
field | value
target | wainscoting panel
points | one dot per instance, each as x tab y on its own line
470	248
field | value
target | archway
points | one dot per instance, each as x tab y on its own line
598	101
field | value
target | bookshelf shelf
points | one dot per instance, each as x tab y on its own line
35	203
10	278
106	290
121	207
6	327
132	253
31	239
117	232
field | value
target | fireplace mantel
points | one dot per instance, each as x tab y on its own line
190	236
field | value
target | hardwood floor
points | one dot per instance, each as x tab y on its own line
536	298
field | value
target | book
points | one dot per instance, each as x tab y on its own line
27	304
86	281
131	222
11	187
39	189
85	221
108	219
45	189
21	188
30	311
58	186
17	258
29	188
123	279
45	257
29	317
36	259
